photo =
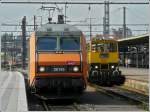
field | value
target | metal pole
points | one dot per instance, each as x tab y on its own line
5	48
24	42
12	51
106	18
0	49
41	20
90	29
124	22
49	11
137	56
34	22
104	25
65	11
14	54
90	26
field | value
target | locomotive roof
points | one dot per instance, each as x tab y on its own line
58	29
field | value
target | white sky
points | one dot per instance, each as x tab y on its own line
135	14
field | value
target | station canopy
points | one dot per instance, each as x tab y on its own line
142	39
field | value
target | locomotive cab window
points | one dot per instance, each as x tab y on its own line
105	47
67	43
46	43
112	47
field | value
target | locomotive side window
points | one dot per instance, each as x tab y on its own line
67	43
46	43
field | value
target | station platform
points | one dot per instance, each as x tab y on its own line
12	92
136	78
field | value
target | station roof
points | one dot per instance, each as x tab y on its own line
141	39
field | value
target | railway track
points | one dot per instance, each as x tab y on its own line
90	101
95	99
45	106
136	98
49	107
132	97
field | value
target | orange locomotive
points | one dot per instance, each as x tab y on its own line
57	60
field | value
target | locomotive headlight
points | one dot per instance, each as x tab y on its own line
96	67
75	69
42	69
112	66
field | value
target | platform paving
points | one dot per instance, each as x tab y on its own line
12	92
136	78
136	73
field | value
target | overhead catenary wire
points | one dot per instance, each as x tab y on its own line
69	2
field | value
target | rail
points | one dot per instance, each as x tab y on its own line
48	107
134	97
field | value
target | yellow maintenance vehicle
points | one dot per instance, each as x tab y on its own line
103	59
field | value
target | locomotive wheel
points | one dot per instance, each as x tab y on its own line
93	77
114	77
90	77
109	83
121	80
117	78
100	78
105	77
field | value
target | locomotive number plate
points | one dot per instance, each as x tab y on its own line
58	69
